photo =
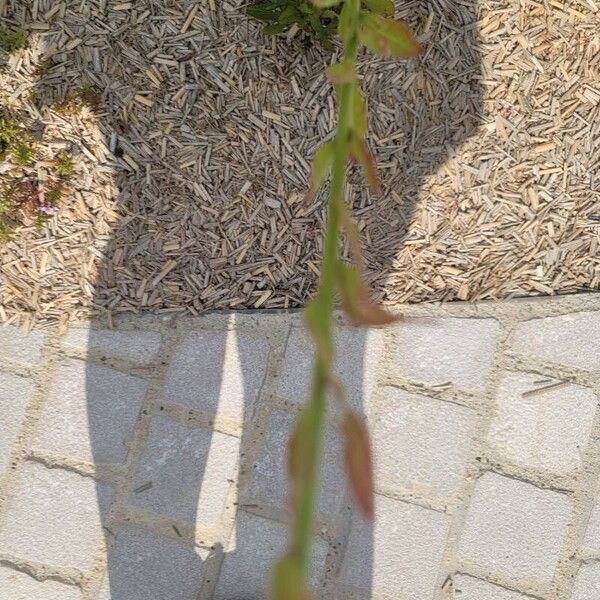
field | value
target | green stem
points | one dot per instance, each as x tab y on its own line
325	305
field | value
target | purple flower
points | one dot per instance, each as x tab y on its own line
47	209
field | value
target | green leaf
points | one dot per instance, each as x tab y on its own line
387	37
359	463
325	3
263	12
384	8
274	28
321	165
359	112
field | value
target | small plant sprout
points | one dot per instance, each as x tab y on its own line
63	165
23	152
11	41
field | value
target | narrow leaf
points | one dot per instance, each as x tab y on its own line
387	37
359	112
321	165
356	303
358	462
381	7
359	151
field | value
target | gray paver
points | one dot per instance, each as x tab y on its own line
587	582
16	585
256	543
146	566
137	347
399	558
435	351
269	485
512	528
220	373
90	413
20	347
190	472
15	393
515	528
420	444
571	339
549	430
54	518
357	358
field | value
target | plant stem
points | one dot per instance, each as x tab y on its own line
325	302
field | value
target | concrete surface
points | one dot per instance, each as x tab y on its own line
146	462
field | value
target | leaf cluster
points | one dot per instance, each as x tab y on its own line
280	15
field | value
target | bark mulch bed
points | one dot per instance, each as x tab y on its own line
192	150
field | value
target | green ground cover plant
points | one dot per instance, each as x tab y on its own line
358	24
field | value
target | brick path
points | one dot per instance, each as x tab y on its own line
145	462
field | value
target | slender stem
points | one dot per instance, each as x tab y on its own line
315	411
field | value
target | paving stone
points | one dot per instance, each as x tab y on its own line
190	471
20	346
549	430
400	558
421	444
469	588
15	393
515	528
434	351
90	413
16	585
138	347
571	340
145	566
55	518
220	373
357	358
269	485
587	582
256	543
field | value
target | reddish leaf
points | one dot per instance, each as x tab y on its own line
387	37
361	310
358	462
287	581
359	151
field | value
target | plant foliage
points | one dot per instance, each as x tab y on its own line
359	23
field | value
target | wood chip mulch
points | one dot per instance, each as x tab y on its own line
191	168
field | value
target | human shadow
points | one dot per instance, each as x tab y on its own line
203	179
